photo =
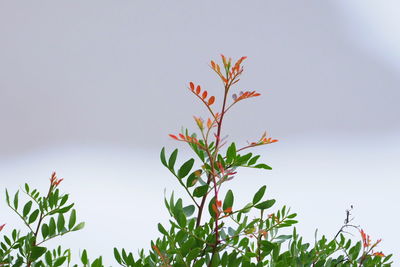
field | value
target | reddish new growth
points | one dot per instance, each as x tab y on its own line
212	128
54	181
2	226
368	248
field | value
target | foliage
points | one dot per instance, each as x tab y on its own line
212	230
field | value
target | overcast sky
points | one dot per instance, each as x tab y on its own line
92	88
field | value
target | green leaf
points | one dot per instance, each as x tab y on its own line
253	160
27	209
200	191
258	196
185	169
231	153
26	188
228	201
60	222
243	159
16	200
263	166
33	216
266	246
64	199
117	256
188	210
162	157
84	257
79	226
45	230
65	209
265	204
7	197
172	159
52	227
162	229
181	219
59	261
72	219
36	253
192	179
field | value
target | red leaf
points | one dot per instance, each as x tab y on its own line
182	136
204	95
173	136
191	86
228	210
2	226
198	89
211	100
213	64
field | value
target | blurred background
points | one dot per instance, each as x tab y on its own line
92	88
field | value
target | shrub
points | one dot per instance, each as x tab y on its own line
211	230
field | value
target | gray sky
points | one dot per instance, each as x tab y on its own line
113	72
92	88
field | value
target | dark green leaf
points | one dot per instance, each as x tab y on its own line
45	231
117	256
27	208
36	252
84	257
231	153
59	261
265	204
263	166
162	229
33	216
72	219
162	157
172	159
16	200
185	169
228	201
253	160
258	196
60	222
200	191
